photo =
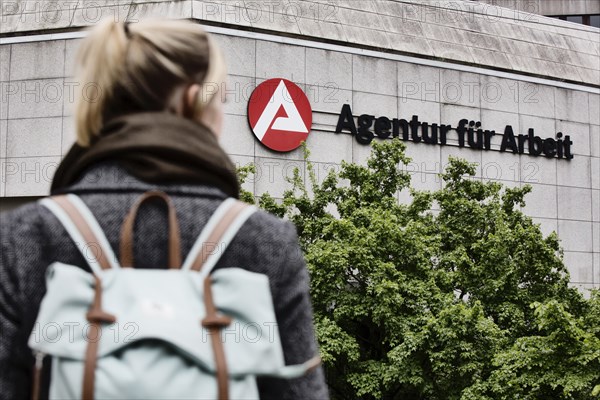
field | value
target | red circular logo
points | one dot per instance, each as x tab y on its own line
280	114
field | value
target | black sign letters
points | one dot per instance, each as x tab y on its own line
468	132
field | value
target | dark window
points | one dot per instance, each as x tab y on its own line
586	20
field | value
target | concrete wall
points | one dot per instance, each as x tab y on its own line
36	125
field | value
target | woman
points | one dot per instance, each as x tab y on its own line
147	121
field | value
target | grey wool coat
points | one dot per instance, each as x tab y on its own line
32	238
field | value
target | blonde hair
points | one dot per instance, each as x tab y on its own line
125	68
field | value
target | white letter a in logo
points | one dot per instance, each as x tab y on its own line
292	123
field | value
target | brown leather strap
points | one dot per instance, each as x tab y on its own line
215	323
127	231
37	378
216	235
95	316
79	222
313	364
89	371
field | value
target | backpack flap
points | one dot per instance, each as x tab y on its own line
252	342
61	320
163	305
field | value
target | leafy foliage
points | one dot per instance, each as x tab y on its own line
470	302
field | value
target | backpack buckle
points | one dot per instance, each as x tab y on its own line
216	321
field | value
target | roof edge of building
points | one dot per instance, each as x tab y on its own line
465	32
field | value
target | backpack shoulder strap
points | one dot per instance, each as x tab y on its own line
220	229
84	229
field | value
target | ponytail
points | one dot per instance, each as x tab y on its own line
135	67
99	65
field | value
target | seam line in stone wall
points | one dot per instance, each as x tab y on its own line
62	120
439	72
352	95
255	84
556	169
322	162
580	252
5	144
305	164
592	196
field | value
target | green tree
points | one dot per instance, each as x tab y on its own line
469	302
560	361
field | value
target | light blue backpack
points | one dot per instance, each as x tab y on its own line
177	333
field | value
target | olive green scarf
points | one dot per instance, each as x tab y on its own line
155	147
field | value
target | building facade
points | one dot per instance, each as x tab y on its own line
532	80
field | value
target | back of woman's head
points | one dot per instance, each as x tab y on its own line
126	68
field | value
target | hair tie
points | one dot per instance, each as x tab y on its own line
126	29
